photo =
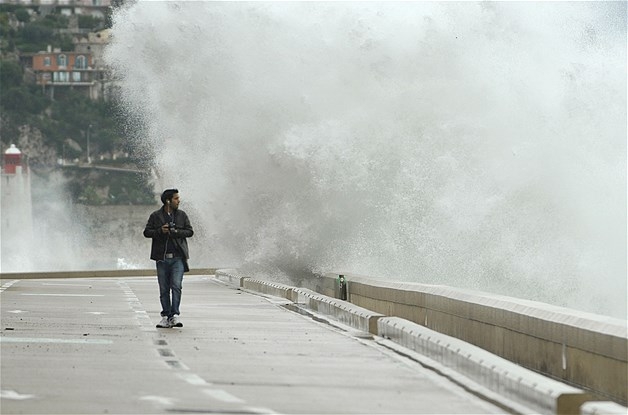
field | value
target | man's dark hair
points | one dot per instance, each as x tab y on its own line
167	195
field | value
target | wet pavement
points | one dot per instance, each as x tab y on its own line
91	346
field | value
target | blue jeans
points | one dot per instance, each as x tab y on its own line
170	277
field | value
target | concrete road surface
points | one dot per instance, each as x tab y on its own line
90	346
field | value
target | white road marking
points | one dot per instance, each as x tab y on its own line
5	339
161	400
192	379
7	394
65	285
68	295
7	285
222	395
17	311
96	313
258	410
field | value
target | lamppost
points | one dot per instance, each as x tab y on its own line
89	160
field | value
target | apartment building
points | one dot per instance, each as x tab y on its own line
56	68
82	69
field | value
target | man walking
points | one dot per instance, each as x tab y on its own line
169	227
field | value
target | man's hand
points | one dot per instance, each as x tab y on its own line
165	228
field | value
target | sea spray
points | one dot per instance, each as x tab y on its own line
479	145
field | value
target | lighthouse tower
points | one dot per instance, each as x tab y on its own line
15	210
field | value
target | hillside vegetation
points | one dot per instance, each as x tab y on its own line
55	132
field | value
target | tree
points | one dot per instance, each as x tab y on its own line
55	21
85	21
11	74
33	37
19	100
22	15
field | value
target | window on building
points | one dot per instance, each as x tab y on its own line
80	62
60	77
62	60
76	76
47	61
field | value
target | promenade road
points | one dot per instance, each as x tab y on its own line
90	346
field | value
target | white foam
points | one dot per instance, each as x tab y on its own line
478	145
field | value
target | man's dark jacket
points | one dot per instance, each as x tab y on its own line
183	230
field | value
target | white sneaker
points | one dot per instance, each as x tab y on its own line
164	323
174	322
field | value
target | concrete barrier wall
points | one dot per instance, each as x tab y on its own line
581	348
324	284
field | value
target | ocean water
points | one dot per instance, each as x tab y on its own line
478	145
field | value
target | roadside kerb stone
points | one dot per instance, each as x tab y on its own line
508	379
342	311
270	288
230	276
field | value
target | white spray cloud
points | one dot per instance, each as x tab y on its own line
480	145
